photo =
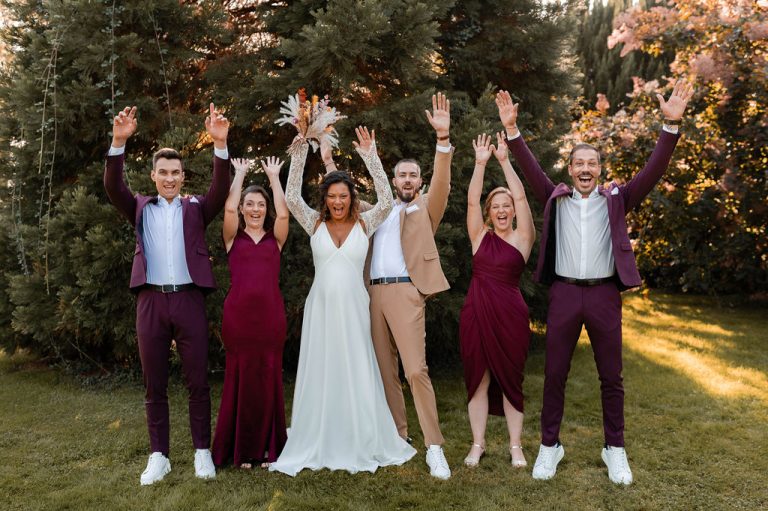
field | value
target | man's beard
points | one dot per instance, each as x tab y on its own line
403	197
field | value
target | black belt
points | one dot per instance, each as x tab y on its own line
170	288
585	282
390	280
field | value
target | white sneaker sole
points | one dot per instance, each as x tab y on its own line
156	480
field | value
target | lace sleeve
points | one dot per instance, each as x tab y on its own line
384	200
306	216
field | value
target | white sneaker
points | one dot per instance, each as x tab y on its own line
615	459
157	466
204	468
547	460
438	466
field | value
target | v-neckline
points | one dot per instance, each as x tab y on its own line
255	242
331	237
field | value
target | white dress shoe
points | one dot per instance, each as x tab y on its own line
615	459
204	468
546	463
438	466
157	466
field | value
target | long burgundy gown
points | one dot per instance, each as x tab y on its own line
494	329
251	418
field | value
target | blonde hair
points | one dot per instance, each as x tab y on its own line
489	199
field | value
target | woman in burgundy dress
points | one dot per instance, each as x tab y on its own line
493	326
251	424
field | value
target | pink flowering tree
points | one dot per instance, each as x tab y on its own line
704	227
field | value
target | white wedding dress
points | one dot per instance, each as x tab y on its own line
340	417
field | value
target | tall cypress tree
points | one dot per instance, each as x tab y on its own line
605	71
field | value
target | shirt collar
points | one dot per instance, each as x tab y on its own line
577	196
176	202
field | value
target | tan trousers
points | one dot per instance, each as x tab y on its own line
398	325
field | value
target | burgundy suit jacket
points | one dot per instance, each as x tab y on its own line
621	200
197	211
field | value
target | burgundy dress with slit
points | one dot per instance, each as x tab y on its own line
494	328
251	424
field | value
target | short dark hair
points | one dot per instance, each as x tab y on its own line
331	178
168	154
583	145
406	160
269	221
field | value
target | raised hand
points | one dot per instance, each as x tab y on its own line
241	165
674	107
483	149
217	127
123	126
440	118
272	166
365	140
501	151
507	109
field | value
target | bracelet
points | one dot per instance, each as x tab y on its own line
441	139
329	163
481	163
672	122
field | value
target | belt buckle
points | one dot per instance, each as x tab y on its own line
167	288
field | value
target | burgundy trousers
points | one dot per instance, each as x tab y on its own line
160	318
599	309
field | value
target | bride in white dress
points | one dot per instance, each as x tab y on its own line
340	418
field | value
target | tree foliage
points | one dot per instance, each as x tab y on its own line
66	251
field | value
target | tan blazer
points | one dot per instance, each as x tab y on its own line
418	223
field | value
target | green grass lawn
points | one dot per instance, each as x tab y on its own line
696	380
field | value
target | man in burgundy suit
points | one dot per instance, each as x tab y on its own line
586	257
171	273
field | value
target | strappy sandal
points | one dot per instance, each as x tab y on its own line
472	461
517	463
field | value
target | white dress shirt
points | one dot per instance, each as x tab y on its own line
164	243
583	237
387	259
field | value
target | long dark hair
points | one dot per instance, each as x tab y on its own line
338	176
269	220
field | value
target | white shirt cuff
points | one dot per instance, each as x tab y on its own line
671	129
221	153
514	136
444	148
115	151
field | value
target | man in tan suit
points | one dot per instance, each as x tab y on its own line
402	270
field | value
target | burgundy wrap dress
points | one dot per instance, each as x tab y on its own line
494	327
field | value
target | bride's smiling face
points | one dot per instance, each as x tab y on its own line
338	200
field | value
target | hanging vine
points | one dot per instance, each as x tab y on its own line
49	93
162	67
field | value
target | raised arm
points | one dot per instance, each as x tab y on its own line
366	148
541	185
232	204
272	166
123	126
306	216
475	224
644	181
217	127
440	184
326	153
525	233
